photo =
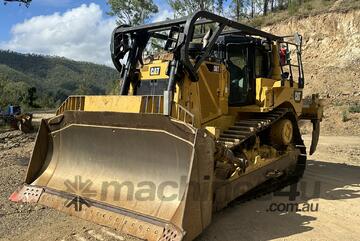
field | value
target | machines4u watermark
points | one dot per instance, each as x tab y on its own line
301	197
82	189
298	197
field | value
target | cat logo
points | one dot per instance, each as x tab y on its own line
155	71
216	68
297	96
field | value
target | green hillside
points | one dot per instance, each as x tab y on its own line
54	79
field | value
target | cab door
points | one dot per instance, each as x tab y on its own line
240	63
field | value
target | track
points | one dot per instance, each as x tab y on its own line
242	134
336	167
243	130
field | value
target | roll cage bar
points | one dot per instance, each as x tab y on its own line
132	41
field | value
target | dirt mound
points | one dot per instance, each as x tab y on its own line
331	57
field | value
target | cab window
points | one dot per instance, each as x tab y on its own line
261	64
239	79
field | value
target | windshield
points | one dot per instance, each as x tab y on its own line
157	45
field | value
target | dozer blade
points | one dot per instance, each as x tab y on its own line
315	136
132	172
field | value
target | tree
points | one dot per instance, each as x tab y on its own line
187	7
219	7
31	97
253	8
132	12
265	6
15	93
272	2
240	9
282	4
26	2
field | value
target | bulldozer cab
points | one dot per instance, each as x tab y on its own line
163	58
247	59
205	37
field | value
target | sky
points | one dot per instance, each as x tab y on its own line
75	29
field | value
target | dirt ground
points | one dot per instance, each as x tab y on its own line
334	214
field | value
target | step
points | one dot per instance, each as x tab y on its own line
232	136
242	128
232	140
237	132
248	123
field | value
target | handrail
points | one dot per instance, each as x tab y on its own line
73	102
152	104
186	112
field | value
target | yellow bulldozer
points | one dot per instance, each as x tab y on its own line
208	111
